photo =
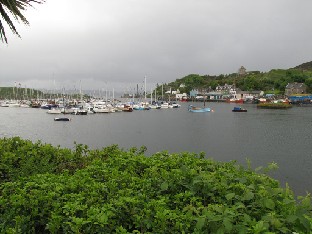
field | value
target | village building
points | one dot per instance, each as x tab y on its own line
295	88
181	96
200	93
242	71
224	89
224	92
215	96
239	94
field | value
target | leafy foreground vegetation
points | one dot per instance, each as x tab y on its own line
46	189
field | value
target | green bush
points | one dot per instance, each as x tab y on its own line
20	158
116	191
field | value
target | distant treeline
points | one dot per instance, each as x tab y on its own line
18	93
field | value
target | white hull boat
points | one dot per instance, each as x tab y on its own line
54	111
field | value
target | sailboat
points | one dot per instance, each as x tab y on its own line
143	105
62	118
192	108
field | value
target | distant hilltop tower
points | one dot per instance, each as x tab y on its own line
242	71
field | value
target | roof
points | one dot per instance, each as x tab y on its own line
255	92
295	85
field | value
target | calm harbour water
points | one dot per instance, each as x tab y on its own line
263	136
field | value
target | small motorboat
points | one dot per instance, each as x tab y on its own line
176	105
80	112
54	111
239	109
127	108
198	109
62	119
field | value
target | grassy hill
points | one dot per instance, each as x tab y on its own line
305	66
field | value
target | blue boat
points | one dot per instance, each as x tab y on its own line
239	109
141	107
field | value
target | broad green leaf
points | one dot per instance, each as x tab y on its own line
259	227
227	225
164	186
103	218
305	222
247	218
229	196
242	180
200	223
248	196
292	218
287	201
221	230
269	203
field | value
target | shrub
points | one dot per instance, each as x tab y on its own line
126	192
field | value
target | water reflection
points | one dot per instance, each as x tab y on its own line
263	136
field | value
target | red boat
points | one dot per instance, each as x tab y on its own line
127	108
235	100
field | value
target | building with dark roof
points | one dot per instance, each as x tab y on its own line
295	88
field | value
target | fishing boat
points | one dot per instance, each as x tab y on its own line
238	109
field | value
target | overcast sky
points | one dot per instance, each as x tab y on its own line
116	43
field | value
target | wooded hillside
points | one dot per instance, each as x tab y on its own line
273	81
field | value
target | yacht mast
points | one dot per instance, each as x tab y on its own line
80	92
144	88
162	92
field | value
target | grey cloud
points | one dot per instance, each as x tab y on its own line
119	42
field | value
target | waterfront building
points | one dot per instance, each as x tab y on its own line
295	88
